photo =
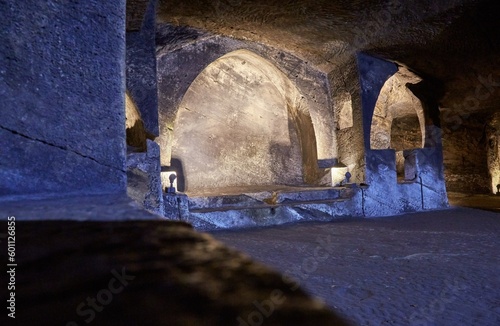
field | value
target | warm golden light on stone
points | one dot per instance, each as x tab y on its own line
238	125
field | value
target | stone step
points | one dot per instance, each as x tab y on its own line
314	195
263	206
269	199
229	217
243	200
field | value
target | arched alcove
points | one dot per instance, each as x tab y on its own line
135	132
179	66
242	123
398	118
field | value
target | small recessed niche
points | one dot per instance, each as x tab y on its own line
165	179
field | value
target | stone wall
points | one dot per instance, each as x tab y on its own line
182	54
345	89
465	157
423	186
235	126
141	65
143	178
406	133
143	154
493	151
396	102
62	89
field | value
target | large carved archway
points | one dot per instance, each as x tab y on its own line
242	123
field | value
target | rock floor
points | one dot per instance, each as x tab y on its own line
140	272
432	268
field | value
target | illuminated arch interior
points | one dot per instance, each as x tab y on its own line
242	123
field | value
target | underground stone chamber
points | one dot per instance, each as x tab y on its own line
63	130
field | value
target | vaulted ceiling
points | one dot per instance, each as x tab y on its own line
454	42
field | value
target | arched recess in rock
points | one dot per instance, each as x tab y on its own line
180	61
136	134
398	119
243	123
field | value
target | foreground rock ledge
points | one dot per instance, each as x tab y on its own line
147	273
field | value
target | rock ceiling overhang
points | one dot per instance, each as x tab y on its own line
456	42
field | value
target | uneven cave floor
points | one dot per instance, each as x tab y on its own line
431	268
141	271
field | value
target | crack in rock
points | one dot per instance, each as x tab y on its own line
60	147
427	254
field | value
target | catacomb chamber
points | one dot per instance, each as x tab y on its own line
252	136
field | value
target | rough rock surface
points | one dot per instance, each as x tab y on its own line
147	273
493	151
453	41
143	179
432	268
235	126
266	208
454	44
62	96
465	155
183	54
141	64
